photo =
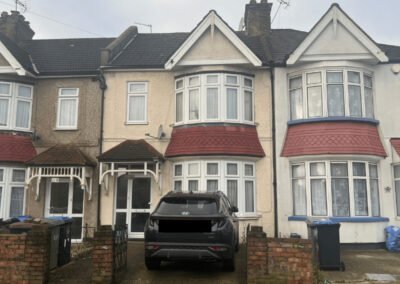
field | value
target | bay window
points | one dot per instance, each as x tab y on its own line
214	97
67	117
15	106
331	93
335	188
396	170
235	178
12	192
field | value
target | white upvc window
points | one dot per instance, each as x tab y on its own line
12	192
137	103
335	188
15	106
235	178
396	175
67	112
214	97
331	92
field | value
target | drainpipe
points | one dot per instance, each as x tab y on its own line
103	88
274	181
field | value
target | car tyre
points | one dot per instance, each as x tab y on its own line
229	264
152	264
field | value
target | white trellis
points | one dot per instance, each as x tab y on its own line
80	173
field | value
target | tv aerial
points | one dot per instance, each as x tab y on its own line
21	5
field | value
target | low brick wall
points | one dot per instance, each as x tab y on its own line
24	258
103	256
272	260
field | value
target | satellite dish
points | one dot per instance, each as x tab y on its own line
396	68
160	132
241	24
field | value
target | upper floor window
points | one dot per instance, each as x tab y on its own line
214	97
67	114
331	93
137	103
335	188
235	178
15	106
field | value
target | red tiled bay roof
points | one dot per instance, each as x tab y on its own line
215	140
396	144
332	138
15	148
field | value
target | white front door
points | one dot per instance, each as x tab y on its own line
133	196
65	198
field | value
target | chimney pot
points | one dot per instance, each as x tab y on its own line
15	27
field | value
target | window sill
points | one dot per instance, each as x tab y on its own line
65	129
341	219
333	118
137	123
248	217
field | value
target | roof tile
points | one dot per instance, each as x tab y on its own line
15	148
332	138
62	155
215	140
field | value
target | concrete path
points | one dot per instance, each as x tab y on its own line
359	263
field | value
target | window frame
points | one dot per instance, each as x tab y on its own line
221	85
324	85
222	177
61	98
396	202
143	94
12	99
7	185
328	182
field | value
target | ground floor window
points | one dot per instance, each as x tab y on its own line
12	192
396	170
335	188
65	198
235	178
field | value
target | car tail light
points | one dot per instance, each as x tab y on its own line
218	248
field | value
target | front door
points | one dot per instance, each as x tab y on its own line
133	204
65	198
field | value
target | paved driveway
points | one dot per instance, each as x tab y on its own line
79	272
191	273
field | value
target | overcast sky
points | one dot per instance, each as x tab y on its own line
108	18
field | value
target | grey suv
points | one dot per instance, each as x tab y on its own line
192	227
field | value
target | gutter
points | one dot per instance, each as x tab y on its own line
274	181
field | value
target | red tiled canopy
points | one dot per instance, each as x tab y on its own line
15	148
332	138
215	140
396	144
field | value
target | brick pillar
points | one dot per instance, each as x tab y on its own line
37	254
257	265
103	256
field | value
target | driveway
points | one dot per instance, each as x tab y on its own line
192	273
79	272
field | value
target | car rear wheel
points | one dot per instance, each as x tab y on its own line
229	264
152	264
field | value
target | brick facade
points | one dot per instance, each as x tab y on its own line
272	260
103	256
24	258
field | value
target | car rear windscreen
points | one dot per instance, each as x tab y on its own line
187	206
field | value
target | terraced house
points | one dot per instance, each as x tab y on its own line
292	126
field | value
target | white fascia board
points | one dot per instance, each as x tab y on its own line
12	60
211	19
335	14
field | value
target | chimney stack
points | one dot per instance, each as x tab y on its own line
257	18
15	27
